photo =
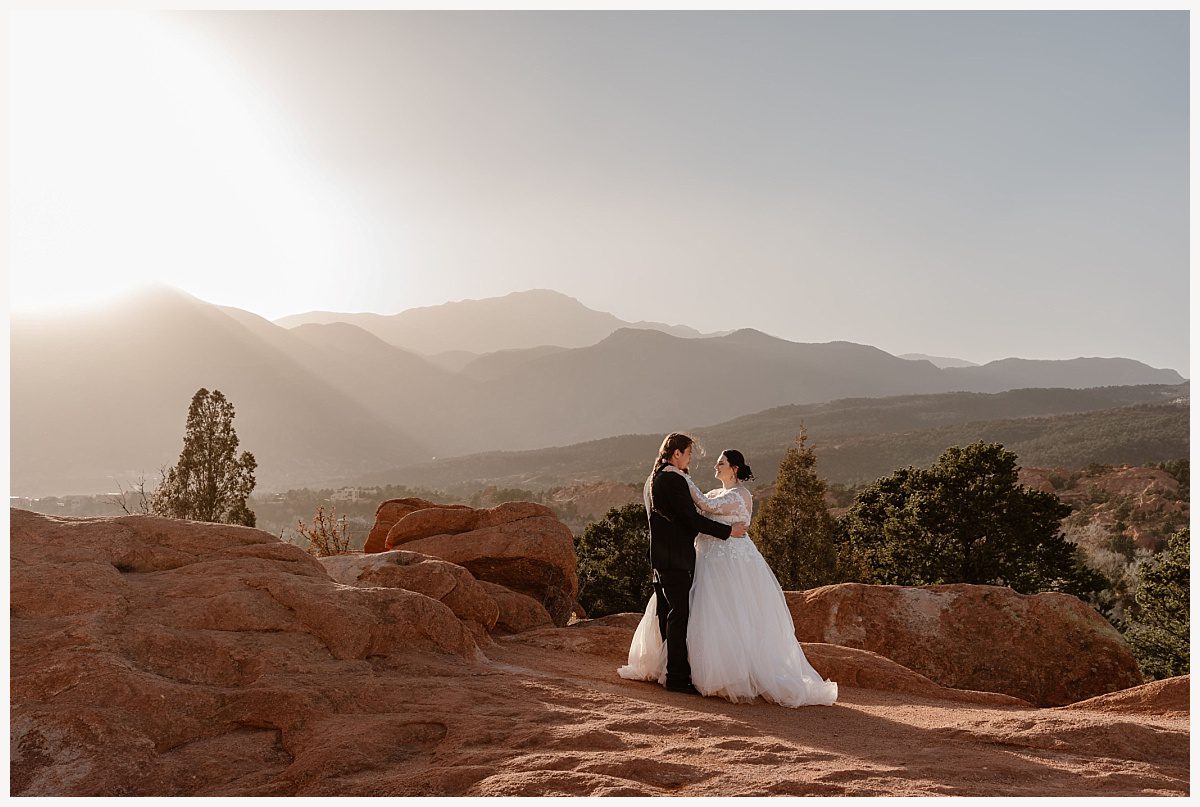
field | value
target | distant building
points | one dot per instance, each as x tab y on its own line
351	494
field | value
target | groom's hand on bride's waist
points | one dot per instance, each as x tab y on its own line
739	530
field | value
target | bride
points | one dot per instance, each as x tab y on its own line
741	640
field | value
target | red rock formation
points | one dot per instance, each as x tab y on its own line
1149	498
135	636
852	667
441	521
1039	478
518	612
156	658
1169	696
1048	649
391	511
451	585
519	545
1141	484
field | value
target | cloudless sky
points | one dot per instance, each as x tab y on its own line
970	184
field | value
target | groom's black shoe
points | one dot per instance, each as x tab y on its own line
688	689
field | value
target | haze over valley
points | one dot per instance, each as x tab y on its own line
99	396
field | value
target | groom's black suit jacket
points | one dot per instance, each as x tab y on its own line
674	523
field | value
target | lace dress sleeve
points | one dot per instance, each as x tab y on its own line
725	502
747	503
717	502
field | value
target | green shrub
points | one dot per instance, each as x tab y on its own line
613	562
1160	635
965	520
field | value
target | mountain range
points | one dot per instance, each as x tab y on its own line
523	319
940	361
101	396
860	439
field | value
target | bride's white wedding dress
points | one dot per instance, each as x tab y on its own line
741	639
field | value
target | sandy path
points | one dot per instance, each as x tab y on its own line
547	715
605	735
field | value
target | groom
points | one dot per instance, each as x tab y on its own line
674	523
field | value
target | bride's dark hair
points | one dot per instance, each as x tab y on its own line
735	458
675	441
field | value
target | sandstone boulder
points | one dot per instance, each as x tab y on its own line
1049	649
517	612
440	521
445	582
391	511
518	545
134	636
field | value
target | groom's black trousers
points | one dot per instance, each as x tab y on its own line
672	590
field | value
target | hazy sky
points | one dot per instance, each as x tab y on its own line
970	184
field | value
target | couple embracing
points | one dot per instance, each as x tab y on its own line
717	623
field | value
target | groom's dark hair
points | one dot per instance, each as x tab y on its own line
675	441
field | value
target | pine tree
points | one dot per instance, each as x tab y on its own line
1160	635
965	519
209	483
793	530
613	562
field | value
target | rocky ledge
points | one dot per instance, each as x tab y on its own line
160	657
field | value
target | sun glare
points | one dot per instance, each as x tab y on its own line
139	155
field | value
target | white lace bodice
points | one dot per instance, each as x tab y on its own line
726	506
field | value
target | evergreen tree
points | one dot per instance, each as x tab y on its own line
793	529
1182	473
965	520
209	483
614	562
1160	636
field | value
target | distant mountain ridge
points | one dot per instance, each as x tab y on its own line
859	439
523	319
102	396
939	361
98	397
